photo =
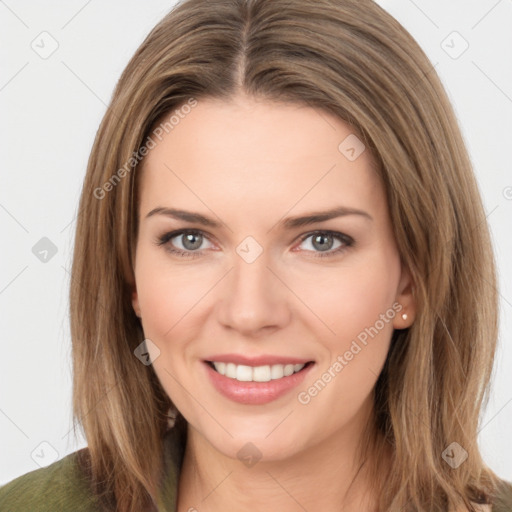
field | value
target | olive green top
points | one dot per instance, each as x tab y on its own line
63	487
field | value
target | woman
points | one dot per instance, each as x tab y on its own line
283	293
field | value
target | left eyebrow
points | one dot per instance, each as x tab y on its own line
287	223
314	217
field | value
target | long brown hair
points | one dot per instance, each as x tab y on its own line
352	59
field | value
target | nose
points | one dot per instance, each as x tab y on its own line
253	301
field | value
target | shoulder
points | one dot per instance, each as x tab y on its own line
61	486
503	499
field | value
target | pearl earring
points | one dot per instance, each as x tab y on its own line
404	316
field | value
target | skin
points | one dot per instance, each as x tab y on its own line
248	164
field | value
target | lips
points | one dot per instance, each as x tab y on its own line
257	380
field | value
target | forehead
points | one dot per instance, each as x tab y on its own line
257	154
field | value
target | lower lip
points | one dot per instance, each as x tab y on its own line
255	393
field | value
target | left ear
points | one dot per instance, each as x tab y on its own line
405	297
135	302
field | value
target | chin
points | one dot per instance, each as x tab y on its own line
270	440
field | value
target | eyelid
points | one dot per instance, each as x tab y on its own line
166	237
335	234
346	242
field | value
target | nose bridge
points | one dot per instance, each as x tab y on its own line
253	298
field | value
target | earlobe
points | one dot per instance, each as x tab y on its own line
135	303
405	298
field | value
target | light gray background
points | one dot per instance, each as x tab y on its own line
51	108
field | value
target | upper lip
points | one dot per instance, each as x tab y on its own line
261	360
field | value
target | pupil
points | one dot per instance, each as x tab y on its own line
188	241
323	246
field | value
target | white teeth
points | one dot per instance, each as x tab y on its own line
277	371
230	370
261	373
244	373
288	370
221	368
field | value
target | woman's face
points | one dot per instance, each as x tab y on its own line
265	247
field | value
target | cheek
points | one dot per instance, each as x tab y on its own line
358	307
355	297
167	294
168	298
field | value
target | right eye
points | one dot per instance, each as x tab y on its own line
187	243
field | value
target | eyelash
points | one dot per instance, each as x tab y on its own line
163	240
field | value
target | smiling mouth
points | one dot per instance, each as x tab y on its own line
264	373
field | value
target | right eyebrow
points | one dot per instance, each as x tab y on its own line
184	215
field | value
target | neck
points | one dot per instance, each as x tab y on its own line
327	476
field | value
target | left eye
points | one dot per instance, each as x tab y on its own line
324	242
